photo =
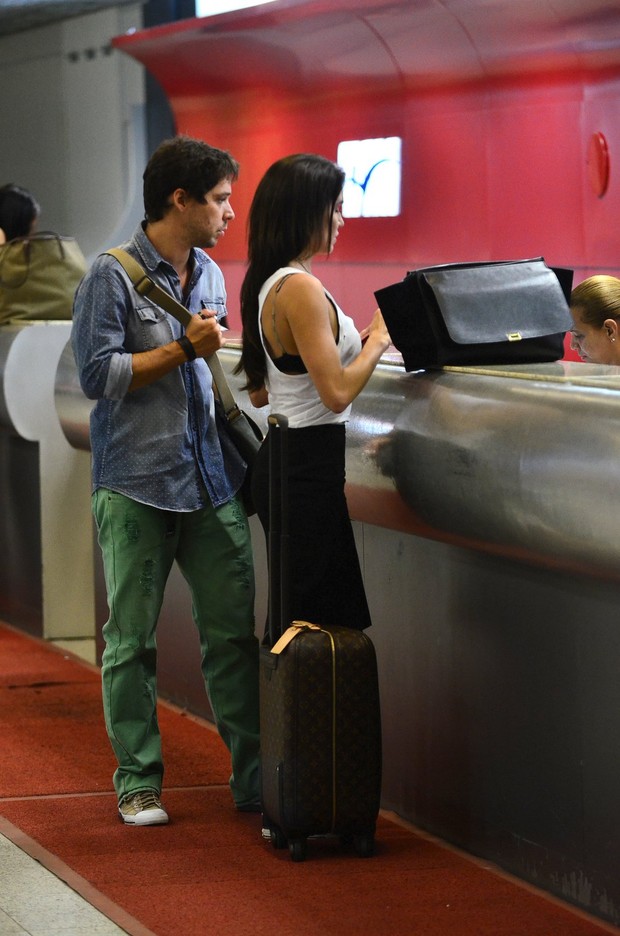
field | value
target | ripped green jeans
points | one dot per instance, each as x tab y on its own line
213	550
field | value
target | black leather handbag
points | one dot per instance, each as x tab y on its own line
468	314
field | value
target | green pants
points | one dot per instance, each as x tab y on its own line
213	550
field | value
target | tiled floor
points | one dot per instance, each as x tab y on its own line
34	902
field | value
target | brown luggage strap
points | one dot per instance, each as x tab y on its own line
291	632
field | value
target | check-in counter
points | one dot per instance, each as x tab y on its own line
45	533
484	507
512	461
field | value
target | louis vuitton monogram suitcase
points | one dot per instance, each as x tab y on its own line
319	716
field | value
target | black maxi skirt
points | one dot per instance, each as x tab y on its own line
325	580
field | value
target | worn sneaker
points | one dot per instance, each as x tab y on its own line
142	808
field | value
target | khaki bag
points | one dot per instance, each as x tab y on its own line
38	277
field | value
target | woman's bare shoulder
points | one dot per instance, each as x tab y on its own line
296	285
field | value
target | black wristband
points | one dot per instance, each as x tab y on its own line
188	347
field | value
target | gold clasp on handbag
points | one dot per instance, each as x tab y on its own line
514	336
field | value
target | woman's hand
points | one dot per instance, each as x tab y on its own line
378	331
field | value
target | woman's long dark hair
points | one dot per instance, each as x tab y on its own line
291	205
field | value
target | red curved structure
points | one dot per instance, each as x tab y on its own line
496	104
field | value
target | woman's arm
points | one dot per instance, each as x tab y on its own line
304	316
259	398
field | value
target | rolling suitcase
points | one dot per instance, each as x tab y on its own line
319	710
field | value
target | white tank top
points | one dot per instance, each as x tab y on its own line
295	395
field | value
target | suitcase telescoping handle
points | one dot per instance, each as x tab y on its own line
277	544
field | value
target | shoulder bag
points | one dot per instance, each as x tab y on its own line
38	277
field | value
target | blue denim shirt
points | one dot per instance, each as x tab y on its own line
159	444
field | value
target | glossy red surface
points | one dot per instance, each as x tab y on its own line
496	103
598	164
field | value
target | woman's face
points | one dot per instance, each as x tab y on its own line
594	344
333	226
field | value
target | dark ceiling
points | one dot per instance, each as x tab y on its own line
18	15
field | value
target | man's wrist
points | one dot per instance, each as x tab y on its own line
188	348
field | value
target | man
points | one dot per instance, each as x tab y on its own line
165	482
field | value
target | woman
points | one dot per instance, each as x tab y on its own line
595	308
306	358
19	212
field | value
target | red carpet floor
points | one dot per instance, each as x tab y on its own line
208	873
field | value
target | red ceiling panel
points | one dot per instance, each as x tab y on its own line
329	44
495	100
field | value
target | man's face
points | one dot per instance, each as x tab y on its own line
207	221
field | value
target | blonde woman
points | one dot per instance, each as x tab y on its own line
595	308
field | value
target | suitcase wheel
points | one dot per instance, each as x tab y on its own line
297	848
364	844
278	838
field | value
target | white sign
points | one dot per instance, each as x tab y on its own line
373	173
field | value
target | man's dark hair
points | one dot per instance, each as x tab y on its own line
185	163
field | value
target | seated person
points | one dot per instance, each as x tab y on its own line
595	308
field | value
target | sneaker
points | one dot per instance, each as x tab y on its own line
266	828
142	808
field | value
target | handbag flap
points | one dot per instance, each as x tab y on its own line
495	302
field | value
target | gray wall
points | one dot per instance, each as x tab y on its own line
72	113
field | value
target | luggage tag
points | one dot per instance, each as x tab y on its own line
290	633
